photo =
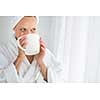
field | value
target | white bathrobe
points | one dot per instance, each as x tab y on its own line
27	72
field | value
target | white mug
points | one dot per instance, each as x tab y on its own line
33	46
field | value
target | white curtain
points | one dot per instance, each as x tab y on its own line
75	40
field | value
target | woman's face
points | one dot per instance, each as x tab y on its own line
26	26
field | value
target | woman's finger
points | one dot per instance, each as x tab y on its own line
42	49
42	45
23	39
24	45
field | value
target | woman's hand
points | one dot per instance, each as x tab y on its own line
23	42
39	57
21	53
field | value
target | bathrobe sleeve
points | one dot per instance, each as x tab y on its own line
54	69
7	70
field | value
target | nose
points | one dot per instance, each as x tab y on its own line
29	31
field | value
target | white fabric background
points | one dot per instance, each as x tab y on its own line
73	39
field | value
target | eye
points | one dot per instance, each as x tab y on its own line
33	29
23	29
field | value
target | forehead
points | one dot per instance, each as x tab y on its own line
27	22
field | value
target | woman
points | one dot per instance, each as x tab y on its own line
16	66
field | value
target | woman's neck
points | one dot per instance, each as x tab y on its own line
30	58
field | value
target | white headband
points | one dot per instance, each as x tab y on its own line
16	19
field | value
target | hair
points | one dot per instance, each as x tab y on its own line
28	16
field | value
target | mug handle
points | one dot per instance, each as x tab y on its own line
19	44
